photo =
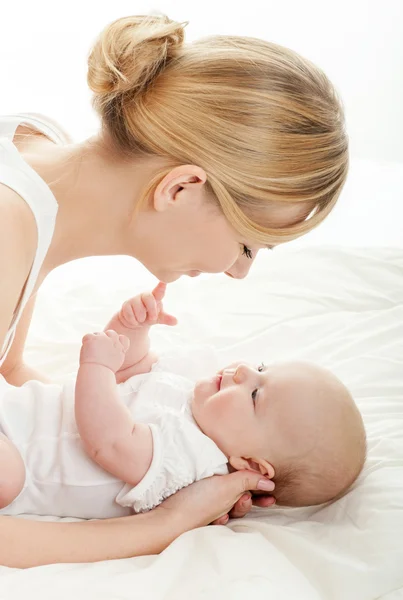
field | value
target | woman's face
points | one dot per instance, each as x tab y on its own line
185	233
203	244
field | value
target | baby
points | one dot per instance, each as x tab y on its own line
136	434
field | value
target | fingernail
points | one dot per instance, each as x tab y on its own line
266	485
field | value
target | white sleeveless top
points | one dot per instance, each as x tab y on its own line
16	174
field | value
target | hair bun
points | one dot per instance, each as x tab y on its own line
130	52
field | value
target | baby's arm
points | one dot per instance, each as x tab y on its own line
108	432
134	320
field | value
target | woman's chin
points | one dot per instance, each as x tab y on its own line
167	277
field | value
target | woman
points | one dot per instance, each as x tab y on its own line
208	152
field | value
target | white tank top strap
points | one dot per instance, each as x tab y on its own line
16	174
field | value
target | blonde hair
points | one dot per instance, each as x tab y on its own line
265	124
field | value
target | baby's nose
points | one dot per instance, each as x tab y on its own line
240	373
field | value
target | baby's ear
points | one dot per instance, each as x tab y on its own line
258	465
239	464
266	468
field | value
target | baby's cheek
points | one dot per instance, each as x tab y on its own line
224	405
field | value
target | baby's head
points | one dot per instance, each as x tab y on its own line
294	421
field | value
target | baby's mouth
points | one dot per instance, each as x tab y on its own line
219	380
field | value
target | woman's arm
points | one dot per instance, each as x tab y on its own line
15	371
18	240
86	541
149	533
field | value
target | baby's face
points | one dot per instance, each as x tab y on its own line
254	412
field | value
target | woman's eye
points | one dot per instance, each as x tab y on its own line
261	367
254	394
247	252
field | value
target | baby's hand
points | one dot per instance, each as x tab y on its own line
105	348
145	310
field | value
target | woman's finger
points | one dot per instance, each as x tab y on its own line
221	521
242	507
209	500
263	501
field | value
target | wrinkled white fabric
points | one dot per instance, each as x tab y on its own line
339	307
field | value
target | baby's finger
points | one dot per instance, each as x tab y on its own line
150	306
166	319
139	310
88	337
128	315
159	291
112	335
124	340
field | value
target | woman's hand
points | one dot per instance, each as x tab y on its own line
210	500
245	502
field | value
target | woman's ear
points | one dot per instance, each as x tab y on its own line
253	464
179	178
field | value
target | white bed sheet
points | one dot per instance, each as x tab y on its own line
342	308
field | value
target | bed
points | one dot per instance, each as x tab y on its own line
338	305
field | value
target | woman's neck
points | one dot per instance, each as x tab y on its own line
96	196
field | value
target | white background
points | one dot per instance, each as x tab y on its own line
338	307
44	46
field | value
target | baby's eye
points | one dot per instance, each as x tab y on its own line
261	367
247	252
254	394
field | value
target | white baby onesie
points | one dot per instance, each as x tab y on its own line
62	481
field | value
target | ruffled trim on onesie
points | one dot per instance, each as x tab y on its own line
182	454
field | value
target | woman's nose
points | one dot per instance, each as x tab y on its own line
241	267
238	272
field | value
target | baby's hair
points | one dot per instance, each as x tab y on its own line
264	123
302	484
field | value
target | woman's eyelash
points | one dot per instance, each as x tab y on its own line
247	252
